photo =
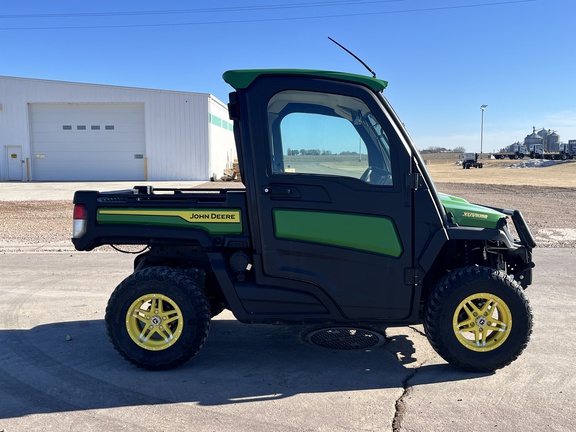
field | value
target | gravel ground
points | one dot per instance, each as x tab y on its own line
549	211
46	225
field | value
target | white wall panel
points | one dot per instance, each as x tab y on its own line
222	146
177	131
178	139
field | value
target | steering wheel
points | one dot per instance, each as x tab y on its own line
377	176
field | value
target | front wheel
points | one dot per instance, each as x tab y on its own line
158	318
478	319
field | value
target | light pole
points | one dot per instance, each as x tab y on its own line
483	107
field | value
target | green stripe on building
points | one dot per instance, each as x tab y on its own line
217	121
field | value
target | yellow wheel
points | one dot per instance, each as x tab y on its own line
482	322
154	322
158	317
478	319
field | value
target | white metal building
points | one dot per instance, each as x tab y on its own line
64	131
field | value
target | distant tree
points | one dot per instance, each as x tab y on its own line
437	149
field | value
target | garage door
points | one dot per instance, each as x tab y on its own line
87	142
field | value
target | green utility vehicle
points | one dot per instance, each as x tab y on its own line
353	233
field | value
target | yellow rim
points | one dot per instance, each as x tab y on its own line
482	322
154	322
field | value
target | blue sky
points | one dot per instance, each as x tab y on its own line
443	58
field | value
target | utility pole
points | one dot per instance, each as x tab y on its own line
483	107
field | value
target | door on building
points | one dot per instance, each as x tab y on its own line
87	142
15	162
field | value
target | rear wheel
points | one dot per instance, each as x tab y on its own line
478	319
158	318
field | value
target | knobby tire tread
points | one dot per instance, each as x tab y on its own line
448	286
129	287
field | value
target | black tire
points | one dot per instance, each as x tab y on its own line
169	335
497	299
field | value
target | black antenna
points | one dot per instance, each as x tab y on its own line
355	56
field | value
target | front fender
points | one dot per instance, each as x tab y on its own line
480	234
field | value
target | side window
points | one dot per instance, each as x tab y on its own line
320	144
335	135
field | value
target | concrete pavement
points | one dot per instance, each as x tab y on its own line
51	191
59	372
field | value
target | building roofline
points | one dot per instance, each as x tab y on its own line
106	86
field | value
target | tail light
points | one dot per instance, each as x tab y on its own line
80	220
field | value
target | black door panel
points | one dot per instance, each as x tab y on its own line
331	206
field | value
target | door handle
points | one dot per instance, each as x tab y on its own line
278	191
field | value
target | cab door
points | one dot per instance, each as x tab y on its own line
330	207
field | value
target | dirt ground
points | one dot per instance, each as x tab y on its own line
544	191
549	211
522	172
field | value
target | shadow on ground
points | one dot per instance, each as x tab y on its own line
72	366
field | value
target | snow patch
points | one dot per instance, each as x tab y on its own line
566	234
535	163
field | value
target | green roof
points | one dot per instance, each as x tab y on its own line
241	79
